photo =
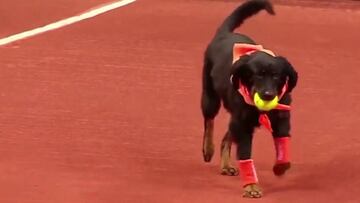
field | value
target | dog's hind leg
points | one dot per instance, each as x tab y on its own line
210	105
226	166
208	143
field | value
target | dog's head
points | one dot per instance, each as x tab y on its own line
265	74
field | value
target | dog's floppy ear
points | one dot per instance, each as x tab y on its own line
290	73
240	71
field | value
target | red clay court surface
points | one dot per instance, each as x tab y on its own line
107	110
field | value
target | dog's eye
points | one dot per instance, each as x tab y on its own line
260	74
276	77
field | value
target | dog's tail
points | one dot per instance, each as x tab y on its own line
244	11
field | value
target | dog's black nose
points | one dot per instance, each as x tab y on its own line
268	95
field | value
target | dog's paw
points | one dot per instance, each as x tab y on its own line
279	169
252	191
229	171
208	152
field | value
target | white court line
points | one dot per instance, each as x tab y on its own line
65	22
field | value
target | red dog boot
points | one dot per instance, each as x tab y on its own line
247	172
249	178
282	155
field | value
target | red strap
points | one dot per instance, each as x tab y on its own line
282	149
246	95
265	121
283	107
247	172
241	49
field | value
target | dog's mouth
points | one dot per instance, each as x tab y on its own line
249	93
266	95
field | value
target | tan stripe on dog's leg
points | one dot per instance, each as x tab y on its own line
226	166
208	143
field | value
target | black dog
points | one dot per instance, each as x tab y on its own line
256	70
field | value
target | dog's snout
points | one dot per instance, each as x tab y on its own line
268	95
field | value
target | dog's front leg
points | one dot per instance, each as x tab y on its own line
281	133
243	134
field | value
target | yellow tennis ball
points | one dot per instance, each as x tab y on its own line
265	105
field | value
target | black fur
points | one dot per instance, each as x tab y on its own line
259	72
